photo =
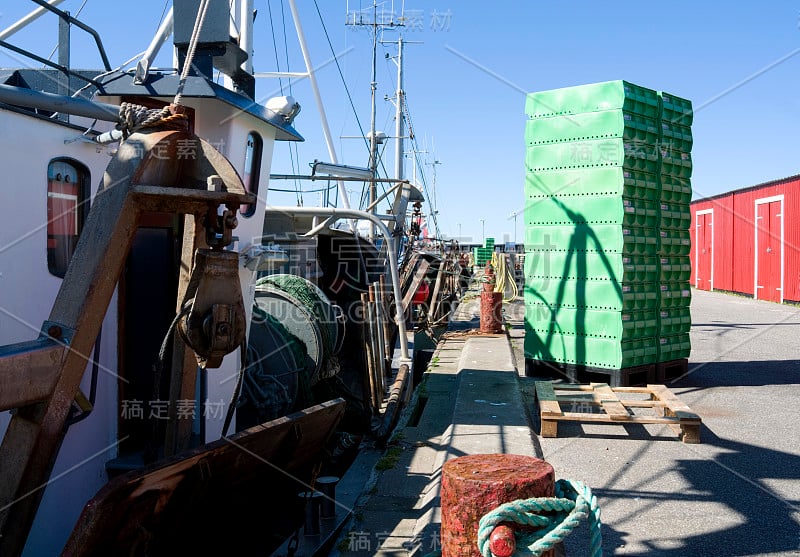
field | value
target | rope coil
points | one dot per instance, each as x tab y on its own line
504	278
134	117
573	503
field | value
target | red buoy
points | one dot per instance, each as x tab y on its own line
473	485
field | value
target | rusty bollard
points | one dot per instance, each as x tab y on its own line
474	485
491	304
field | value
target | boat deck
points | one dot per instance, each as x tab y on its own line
736	493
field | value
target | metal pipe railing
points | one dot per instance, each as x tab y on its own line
79	24
24	21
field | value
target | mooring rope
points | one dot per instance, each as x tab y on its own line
573	503
187	63
504	278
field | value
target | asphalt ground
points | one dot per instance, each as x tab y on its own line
736	493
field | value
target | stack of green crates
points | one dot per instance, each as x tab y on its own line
674	243
606	276
483	254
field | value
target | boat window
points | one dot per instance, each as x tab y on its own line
252	170
67	206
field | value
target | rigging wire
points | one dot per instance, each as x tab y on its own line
420	167
341	75
275	44
295	159
347	90
294	156
349	98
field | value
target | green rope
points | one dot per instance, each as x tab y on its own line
313	299
296	346
573	502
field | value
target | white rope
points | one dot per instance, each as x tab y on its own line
187	64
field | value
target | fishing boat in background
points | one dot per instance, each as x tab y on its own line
184	365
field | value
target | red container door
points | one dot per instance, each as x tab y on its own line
704	235
769	250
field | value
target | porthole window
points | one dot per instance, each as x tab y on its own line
252	170
67	207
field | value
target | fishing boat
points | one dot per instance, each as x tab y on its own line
184	366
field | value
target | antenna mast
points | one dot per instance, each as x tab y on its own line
375	24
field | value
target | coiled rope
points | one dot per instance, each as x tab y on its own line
504	278
134	117
573	502
313	299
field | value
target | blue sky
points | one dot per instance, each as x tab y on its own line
466	83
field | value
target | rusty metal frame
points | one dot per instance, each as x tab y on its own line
41	377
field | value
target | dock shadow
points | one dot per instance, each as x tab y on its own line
706	375
740	479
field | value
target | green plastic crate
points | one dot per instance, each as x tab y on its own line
675	189
594	153
676	163
584	265
674	321
674	242
675	216
610	238
576	209
676	136
674	295
674	347
592	294
608	95
675	269
589	351
675	109
614	325
592	125
600	181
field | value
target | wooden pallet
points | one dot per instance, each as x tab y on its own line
625	377
672	370
613	408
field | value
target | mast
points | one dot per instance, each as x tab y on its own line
312	78
375	137
398	124
373	140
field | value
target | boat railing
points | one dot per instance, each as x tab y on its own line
65	22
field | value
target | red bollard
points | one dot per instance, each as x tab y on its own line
491	312
491	303
473	485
